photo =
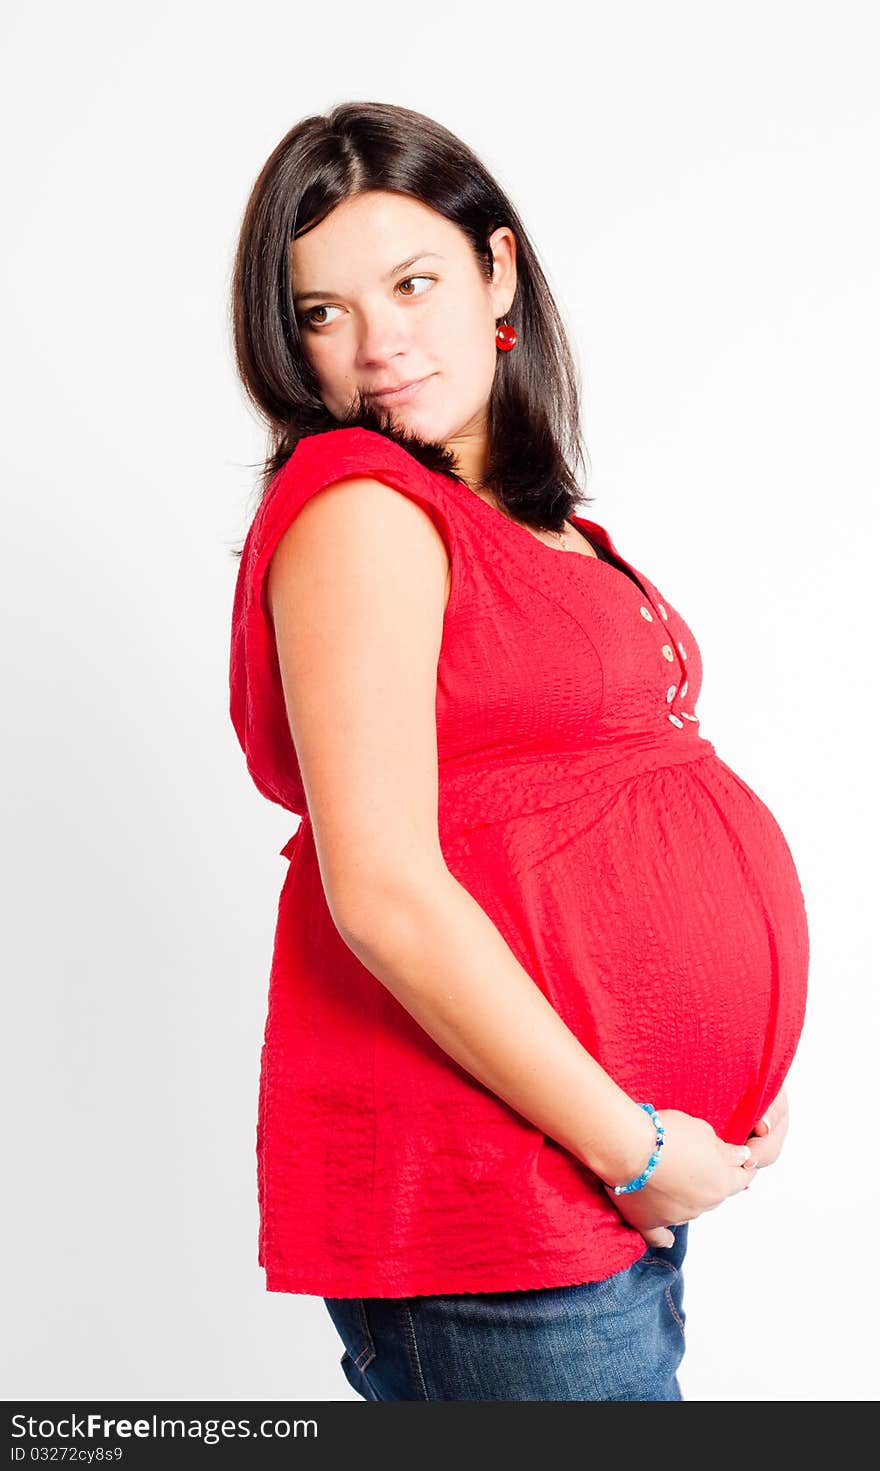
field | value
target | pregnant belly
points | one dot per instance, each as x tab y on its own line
665	921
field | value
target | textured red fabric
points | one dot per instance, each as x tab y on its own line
641	883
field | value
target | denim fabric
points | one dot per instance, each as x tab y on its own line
621	1338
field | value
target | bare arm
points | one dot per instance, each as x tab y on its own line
357	589
446	962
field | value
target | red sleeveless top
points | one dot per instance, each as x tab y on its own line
641	883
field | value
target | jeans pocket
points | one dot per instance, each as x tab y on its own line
672	1283
349	1315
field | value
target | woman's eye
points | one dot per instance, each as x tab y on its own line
415	278
309	316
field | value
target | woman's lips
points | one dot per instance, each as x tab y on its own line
402	395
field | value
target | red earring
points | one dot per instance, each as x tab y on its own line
505	336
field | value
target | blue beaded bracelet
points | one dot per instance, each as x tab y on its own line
646	1174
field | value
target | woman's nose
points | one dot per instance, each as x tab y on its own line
381	338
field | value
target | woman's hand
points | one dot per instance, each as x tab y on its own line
770	1131
696	1171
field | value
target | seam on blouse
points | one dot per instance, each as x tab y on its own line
374	1263
572	618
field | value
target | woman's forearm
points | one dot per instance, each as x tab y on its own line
438	952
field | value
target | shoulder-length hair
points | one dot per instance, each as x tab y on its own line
533	415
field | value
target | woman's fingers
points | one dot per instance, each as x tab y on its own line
662	1236
743	1158
775	1117
769	1133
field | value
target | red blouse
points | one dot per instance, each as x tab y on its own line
641	883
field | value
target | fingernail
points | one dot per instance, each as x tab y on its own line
766	1120
745	1153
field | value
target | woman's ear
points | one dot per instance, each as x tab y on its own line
502	243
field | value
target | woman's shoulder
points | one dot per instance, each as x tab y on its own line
355	450
320	460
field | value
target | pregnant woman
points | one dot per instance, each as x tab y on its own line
541	956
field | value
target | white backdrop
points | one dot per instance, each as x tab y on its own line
700	182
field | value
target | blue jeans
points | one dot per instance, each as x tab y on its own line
621	1338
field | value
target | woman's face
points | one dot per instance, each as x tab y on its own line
387	291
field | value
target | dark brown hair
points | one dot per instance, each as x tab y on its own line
533	412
